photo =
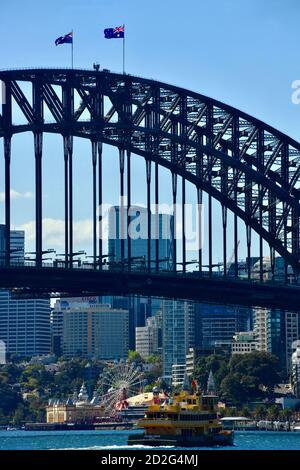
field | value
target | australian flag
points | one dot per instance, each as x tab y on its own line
67	39
114	33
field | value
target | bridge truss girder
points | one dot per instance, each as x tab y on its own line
249	167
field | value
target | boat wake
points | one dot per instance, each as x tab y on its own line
115	447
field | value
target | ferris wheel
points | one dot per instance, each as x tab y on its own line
118	383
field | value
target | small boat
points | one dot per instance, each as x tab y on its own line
184	420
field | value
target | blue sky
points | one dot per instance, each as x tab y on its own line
245	53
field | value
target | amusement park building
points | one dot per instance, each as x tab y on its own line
78	409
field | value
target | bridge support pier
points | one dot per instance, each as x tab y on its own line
70	145
236	247
100	148
121	210
248	236
183	197
68	162
66	183
128	208
156	196
210	257
199	201
174	224
7	160
148	178
38	144
224	223
94	189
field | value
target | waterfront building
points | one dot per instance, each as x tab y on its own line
91	329
78	409
243	343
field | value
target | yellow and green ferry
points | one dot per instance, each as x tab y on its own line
183	420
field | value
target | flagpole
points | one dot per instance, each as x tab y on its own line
72	52
124	49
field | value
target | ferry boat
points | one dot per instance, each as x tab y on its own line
187	419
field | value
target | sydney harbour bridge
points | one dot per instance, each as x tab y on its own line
246	167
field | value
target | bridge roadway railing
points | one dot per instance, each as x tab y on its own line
41	280
118	268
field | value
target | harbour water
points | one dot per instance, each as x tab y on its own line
109	440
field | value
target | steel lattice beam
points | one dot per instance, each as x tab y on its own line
251	168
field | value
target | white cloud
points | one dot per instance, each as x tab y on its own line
54	233
16	195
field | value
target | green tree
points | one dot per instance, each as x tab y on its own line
286	415
216	363
9	399
260	412
232	389
134	356
245	412
154	359
148	388
250	376
273	413
20	414
261	367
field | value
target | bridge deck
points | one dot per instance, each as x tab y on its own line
34	281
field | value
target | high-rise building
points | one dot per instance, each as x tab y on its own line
178	374
178	334
295	369
275	332
139	308
215	325
261	329
291	329
243	343
56	324
17	245
24	324
90	329
117	230
148	338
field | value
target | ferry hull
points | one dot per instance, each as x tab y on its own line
181	441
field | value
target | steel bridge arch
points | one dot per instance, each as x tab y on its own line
249	167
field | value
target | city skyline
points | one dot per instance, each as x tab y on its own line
268	99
